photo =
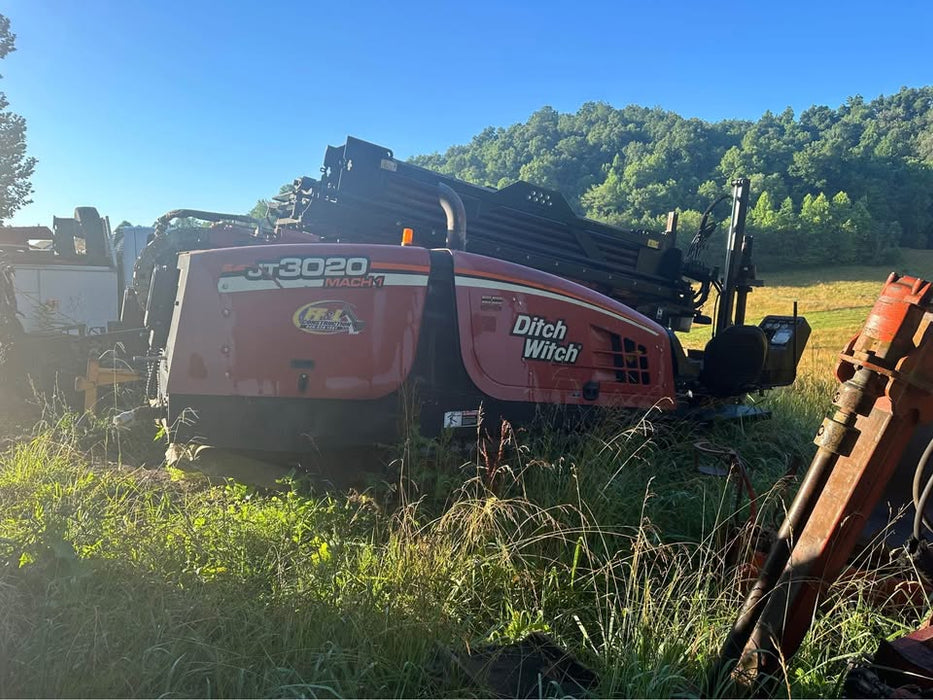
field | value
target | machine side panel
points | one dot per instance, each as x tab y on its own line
530	336
306	321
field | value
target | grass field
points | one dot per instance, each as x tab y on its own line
121	581
835	303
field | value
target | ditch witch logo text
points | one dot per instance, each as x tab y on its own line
543	340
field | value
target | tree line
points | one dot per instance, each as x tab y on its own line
15	166
831	186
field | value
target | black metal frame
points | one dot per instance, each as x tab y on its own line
365	195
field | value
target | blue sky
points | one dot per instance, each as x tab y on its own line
138	107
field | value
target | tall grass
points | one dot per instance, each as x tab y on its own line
118	581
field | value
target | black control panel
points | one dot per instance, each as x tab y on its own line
787	337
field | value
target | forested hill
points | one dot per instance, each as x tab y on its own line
830	186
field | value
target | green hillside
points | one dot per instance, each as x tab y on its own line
840	185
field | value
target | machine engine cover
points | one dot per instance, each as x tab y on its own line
277	347
296	321
526	335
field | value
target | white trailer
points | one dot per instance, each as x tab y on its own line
66	298
62	288
70	279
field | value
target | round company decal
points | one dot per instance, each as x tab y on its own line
328	318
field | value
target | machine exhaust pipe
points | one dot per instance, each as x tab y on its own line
456	216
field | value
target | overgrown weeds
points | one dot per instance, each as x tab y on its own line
119	581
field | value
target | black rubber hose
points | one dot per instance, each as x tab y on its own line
920	502
704	231
161	249
163	221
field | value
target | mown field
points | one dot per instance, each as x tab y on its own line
118	580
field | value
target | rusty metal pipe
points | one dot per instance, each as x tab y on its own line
886	394
797	516
859	391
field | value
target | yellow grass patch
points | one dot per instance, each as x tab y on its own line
835	302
